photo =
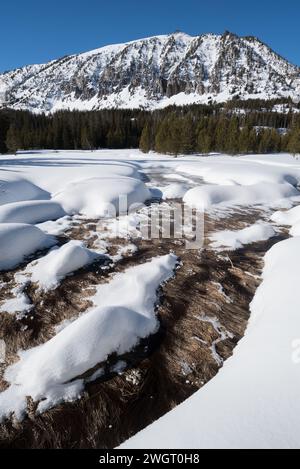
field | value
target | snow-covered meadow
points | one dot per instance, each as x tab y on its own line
46	197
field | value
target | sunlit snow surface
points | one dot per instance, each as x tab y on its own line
127	75
253	402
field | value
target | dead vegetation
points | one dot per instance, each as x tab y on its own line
203	313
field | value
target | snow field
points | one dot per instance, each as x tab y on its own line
269	194
42	188
250	398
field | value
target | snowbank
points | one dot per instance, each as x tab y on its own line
253	402
52	171
18	190
243	170
232	240
124	313
17	241
96	197
57	227
205	197
174	191
19	302
30	212
48	271
289	218
295	230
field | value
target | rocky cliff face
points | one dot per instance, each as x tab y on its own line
154	72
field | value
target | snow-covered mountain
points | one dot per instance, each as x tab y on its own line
152	73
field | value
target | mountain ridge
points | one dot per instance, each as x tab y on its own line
154	72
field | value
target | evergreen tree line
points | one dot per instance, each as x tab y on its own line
218	133
70	130
235	127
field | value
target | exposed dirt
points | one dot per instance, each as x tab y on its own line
203	312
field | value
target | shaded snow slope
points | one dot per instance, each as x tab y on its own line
31	212
16	190
18	241
253	402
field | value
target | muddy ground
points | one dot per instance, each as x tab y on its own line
203	312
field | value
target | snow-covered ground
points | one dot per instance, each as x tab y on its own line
232	240
124	313
18	240
253	400
49	270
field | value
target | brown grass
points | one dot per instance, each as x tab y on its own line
163	370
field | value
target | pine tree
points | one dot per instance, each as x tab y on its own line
162	137
294	141
85	140
244	140
4	126
221	134
67	138
233	136
187	136
12	141
145	140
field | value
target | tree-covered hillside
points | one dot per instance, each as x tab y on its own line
236	127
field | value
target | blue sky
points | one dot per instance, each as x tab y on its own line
34	31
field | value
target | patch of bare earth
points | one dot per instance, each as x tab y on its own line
203	313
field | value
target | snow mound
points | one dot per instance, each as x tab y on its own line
57	227
18	190
295	230
204	197
289	218
99	196
31	212
243	170
237	239
253	402
48	271
17	241
124	313
18	304
174	191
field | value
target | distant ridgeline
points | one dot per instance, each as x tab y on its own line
252	126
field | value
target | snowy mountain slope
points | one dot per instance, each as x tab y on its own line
154	72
